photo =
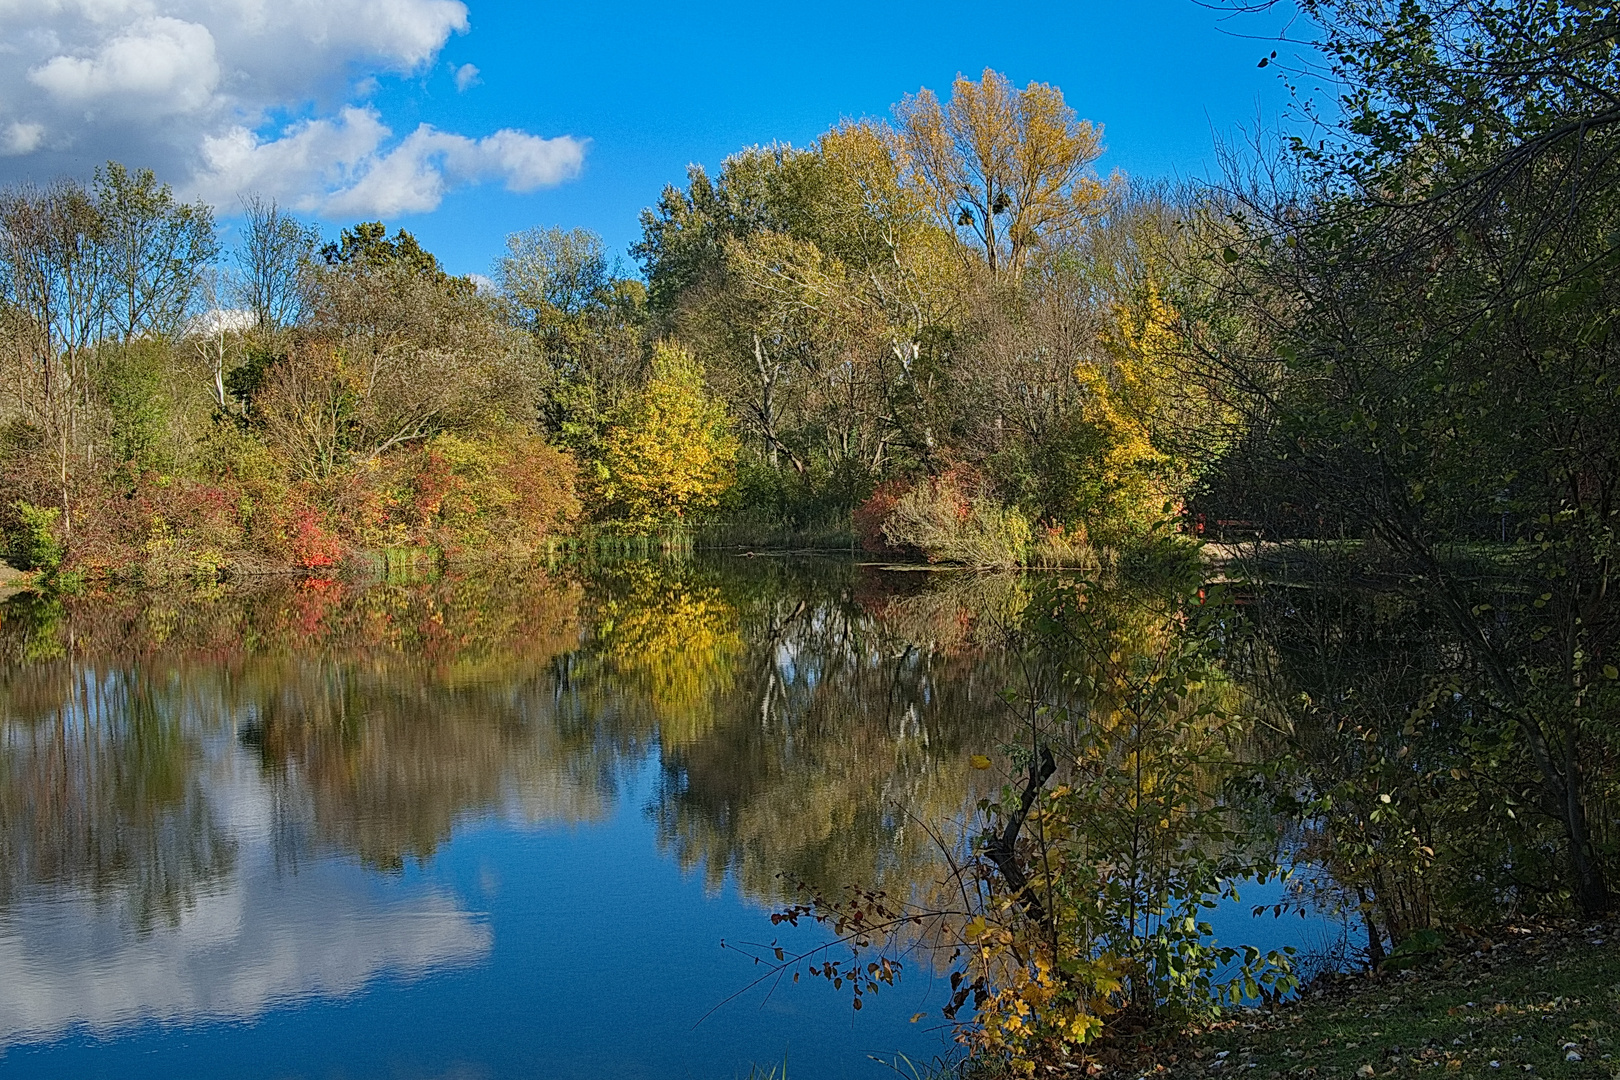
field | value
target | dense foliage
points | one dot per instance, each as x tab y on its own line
1427	369
361	398
949	314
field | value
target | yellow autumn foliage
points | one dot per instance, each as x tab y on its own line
1124	469
675	641
670	452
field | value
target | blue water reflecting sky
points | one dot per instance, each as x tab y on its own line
552	950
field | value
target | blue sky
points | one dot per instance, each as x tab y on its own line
578	113
657	86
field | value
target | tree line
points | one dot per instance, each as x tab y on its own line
935	329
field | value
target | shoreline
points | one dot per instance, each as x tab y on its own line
1531	998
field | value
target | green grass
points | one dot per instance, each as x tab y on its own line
1522	996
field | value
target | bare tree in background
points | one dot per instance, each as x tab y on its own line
155	249
270	263
54	296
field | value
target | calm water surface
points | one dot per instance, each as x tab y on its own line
494	825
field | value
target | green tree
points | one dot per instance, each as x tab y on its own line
585	324
137	411
550	275
155	249
1436	372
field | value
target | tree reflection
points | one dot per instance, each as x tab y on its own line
99	791
380	716
807	719
844	731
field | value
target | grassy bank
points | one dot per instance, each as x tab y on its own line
832	536
1525	999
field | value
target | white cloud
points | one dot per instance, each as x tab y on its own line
221	321
256	939
199	90
342	167
308	160
408	33
412	177
21	138
523	161
160	66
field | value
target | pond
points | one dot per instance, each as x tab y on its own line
492	824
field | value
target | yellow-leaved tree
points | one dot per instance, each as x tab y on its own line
669	452
1126	453
1003	168
1128	477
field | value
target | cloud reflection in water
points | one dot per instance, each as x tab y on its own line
260	937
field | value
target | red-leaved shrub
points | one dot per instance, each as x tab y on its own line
869	517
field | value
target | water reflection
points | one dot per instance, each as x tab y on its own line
256	938
843	726
213	803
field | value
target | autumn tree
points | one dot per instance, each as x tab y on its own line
366	379
1144	420
155	248
84	272
55	303
393	351
820	297
669	453
1003	168
843	296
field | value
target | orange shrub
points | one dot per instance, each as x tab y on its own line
869	517
505	492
